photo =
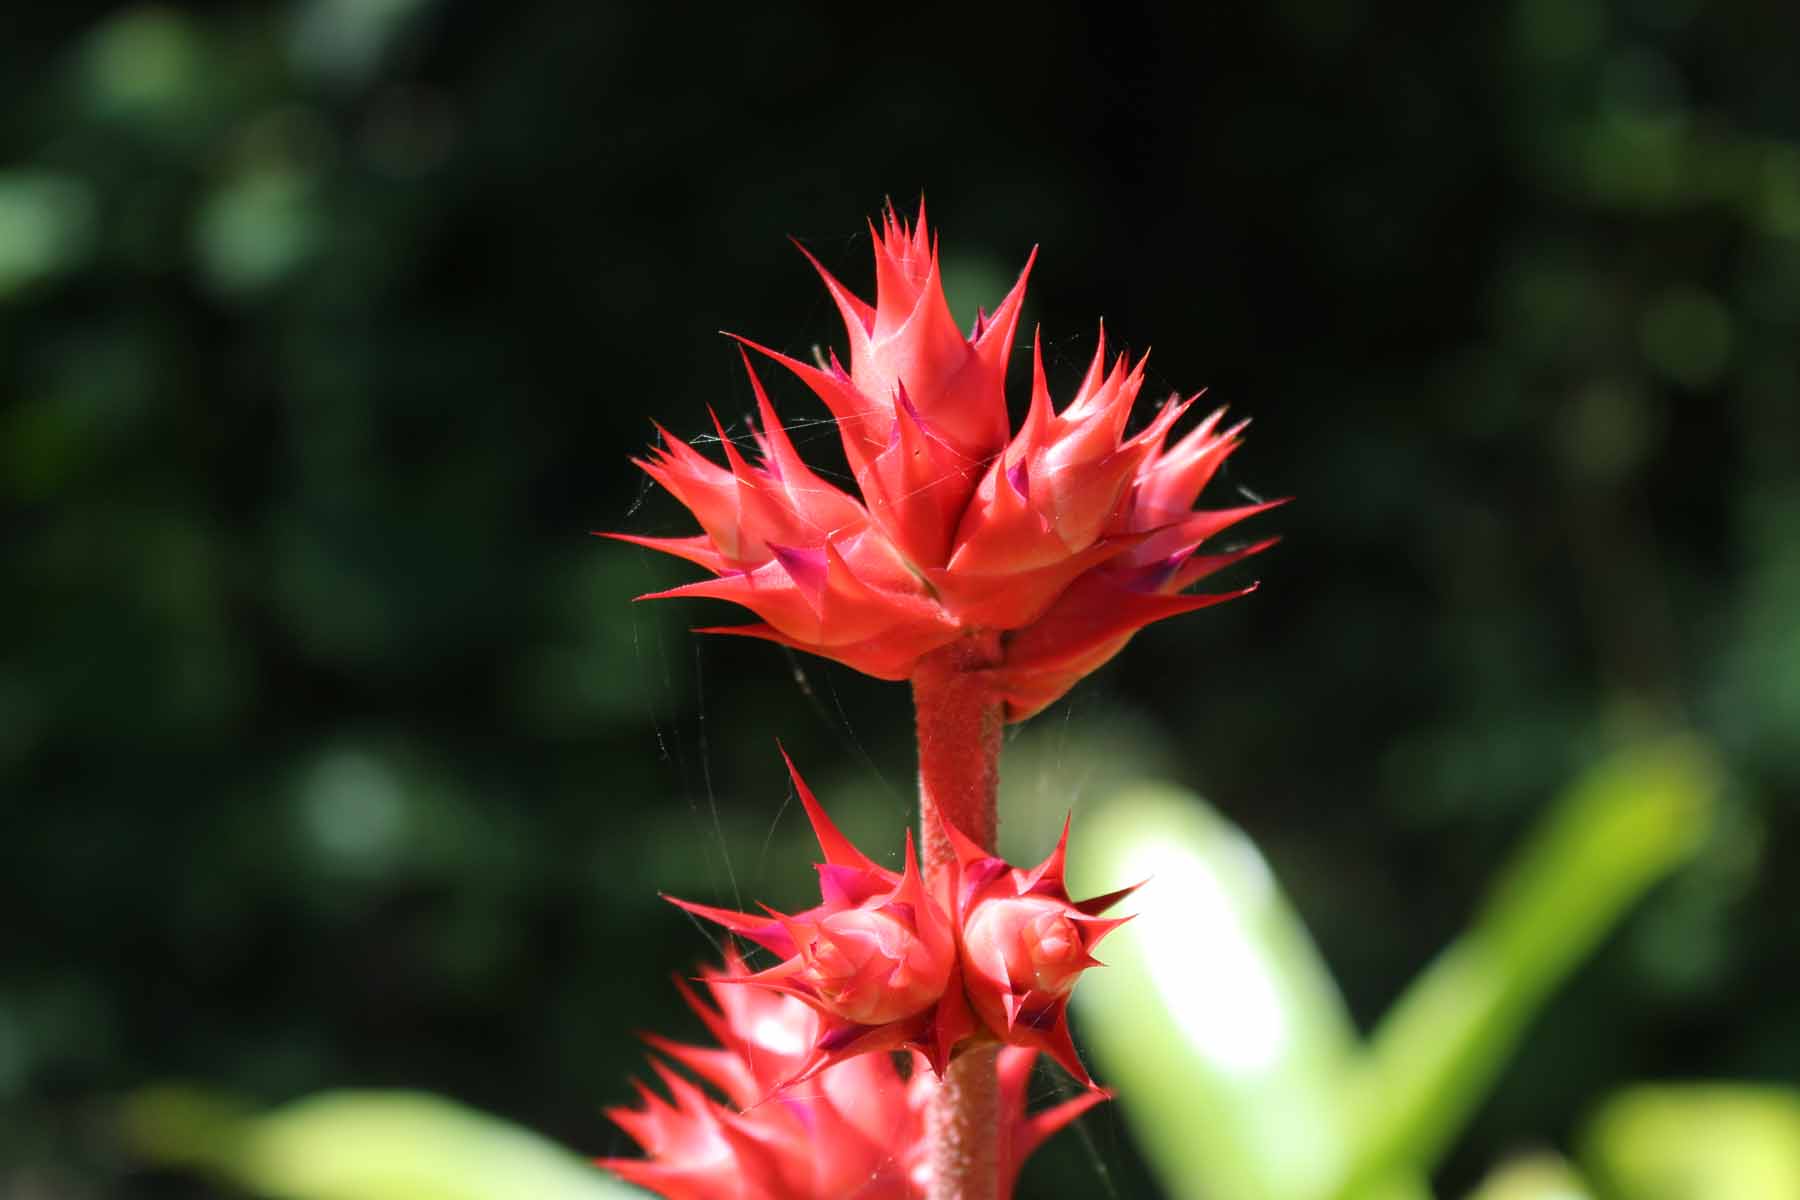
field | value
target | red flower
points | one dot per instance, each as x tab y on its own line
1066	537
856	1131
991	957
876	959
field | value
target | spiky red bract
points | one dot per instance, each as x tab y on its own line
876	959
856	1129
1067	536
1024	942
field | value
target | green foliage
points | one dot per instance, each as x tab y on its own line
362	1146
1697	1142
1617	830
1540	1177
1215	1018
1230	1045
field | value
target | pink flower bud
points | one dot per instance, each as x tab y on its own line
1024	945
1032	938
871	967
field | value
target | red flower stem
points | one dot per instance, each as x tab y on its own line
959	722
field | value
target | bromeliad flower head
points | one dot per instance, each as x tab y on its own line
876	959
1024	943
857	1129
1065	537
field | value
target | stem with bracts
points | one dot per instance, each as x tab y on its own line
959	726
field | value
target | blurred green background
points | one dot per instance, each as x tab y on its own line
334	754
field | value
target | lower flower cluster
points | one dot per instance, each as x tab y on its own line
989	955
853	1130
882	971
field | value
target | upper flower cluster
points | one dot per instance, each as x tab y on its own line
857	1130
1066	536
990	955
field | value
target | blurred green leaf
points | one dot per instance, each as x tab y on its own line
345	39
1778	196
1539	1177
257	228
147	60
1686	334
1620	828
356	1145
1560	30
46	225
1216	1019
1718	1141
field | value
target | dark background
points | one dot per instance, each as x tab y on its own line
333	752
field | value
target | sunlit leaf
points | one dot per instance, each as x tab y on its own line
356	1145
1215	1019
1718	1141
1539	1177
